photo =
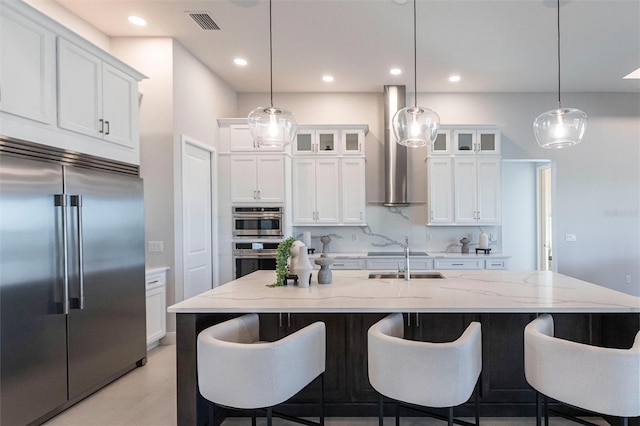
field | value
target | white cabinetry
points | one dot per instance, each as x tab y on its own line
477	141
59	90
315	184
94	98
442	144
477	190
156	284
257	179
397	264
440	190
240	140
352	182
316	142
27	78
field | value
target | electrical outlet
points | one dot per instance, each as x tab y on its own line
570	238
627	279
155	246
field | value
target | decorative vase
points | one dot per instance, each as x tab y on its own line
324	274
294	251
303	267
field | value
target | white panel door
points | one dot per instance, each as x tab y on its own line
304	191
27	74
197	220
270	182
440	184
327	190
79	90
243	179
465	190
119	106
353	191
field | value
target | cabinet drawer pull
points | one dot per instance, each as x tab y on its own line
153	282
457	264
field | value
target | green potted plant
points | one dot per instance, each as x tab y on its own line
282	258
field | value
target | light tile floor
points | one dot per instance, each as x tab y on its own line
147	397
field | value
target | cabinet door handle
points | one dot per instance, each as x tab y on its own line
408	319
360	215
417	319
101	121
431	214
288	319
280	319
259	195
478	215
108	126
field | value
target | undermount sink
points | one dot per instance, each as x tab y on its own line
396	275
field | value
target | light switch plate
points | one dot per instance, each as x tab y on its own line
155	246
570	237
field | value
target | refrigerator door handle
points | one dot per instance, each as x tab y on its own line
76	201
60	200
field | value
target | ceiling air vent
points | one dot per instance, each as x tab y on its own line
204	21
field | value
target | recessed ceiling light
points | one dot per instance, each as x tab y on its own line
240	61
633	74
454	78
136	20
327	78
395	71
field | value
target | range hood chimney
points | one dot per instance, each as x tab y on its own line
395	155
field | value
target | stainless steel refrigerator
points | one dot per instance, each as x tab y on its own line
72	292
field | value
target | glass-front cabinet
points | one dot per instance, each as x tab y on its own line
442	144
353	142
316	142
475	142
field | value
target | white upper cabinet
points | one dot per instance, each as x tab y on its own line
352	142
476	142
440	189
95	98
477	190
316	142
57	89
353	187
315	191
442	144
240	140
27	74
257	179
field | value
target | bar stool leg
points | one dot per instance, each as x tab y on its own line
477	402
322	399
397	414
269	416
253	418
450	423
624	421
546	410
538	408
381	411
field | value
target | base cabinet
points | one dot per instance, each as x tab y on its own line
156	292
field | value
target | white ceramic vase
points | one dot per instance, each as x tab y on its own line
303	267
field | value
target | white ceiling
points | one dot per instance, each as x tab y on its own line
495	45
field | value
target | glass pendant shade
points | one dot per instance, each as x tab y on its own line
272	126
415	126
560	128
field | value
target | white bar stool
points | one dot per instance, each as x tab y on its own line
423	374
601	380
237	370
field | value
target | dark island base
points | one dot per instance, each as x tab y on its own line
504	391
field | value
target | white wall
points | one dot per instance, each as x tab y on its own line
519	220
598	182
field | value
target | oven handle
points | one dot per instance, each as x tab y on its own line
254	256
256	216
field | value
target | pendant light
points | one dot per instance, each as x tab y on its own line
415	126
561	127
272	126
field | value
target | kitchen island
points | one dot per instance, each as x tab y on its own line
436	309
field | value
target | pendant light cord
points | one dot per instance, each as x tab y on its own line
270	57
559	104
415	60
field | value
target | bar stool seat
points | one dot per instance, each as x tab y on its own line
237	370
423	374
601	380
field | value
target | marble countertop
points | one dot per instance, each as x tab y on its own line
460	291
430	255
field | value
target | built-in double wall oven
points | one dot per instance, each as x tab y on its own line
257	231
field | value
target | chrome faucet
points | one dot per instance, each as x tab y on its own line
407	271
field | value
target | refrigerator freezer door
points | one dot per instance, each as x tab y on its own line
108	333
33	355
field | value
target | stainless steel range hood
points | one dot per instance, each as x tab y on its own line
395	155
